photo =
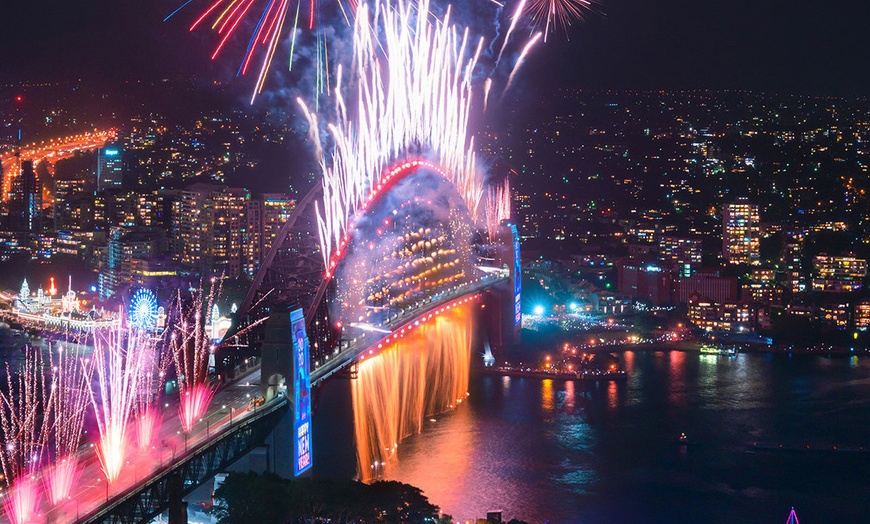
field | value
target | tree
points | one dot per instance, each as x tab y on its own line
244	498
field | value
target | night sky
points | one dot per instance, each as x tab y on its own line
778	46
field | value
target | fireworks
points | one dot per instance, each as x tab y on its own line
191	345
146	409
226	16
24	421
558	13
498	206
413	98
121	357
70	394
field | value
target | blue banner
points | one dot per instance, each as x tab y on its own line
518	276
302	390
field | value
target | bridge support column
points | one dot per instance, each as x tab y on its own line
276	369
276	374
177	505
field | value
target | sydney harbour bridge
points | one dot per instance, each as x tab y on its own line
393	274
401	310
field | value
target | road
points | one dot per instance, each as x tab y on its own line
229	407
52	150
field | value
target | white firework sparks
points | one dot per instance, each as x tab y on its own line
24	408
120	357
498	206
190	345
70	396
413	79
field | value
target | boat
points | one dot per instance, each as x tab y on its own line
709	349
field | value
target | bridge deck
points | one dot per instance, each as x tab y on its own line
91	495
352	348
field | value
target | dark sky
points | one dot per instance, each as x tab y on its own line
819	47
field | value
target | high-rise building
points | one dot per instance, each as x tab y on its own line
838	274
122	246
73	205
110	168
252	248
741	226
791	263
25	206
209	226
277	208
265	218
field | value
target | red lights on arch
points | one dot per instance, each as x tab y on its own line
409	328
388	180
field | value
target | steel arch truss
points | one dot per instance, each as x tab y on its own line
152	498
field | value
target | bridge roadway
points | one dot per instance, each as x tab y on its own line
352	348
91	495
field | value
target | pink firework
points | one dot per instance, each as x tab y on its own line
70	396
24	412
147	412
22	501
120	360
191	344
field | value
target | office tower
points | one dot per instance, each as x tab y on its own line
110	168
740	232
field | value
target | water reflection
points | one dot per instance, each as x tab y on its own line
547	395
612	395
606	454
676	379
569	396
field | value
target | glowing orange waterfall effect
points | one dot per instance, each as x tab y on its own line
417	376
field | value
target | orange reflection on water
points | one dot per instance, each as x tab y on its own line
547	394
612	395
569	395
420	375
628	359
676	377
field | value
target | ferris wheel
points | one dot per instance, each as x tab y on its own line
143	309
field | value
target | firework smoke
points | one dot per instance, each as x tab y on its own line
24	412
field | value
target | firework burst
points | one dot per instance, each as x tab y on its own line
24	413
121	356
269	18
191	345
561	14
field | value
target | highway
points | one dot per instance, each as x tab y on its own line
53	150
229	407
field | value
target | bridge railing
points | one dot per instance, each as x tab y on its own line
352	347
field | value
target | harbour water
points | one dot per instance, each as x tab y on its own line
543	450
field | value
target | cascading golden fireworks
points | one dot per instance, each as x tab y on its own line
24	419
190	345
120	357
70	396
413	377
